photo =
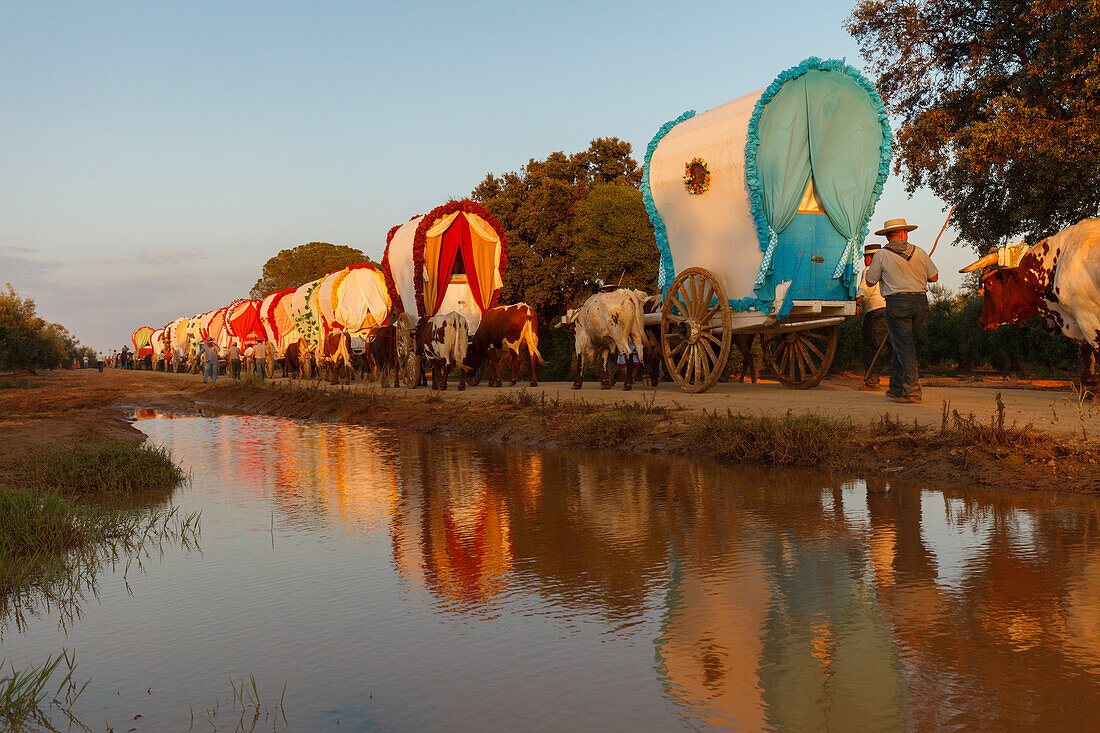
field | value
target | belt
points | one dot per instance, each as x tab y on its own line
923	292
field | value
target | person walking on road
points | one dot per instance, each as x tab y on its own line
210	353
233	360
259	353
904	271
873	307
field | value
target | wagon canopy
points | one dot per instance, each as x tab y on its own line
242	318
278	314
459	246
361	299
179	335
775	187
307	313
141	340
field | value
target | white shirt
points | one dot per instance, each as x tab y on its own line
871	294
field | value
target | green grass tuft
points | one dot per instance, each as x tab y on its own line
105	468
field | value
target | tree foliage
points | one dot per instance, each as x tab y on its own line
29	342
573	222
299	265
1000	102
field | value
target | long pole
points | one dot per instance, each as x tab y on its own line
874	361
942	229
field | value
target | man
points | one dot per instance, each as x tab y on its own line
210	353
259	353
904	270
873	307
233	358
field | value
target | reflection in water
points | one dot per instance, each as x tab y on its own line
770	600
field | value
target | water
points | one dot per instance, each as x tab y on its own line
398	581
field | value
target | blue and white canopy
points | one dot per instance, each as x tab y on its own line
795	172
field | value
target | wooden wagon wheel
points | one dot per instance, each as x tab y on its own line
408	361
800	359
695	329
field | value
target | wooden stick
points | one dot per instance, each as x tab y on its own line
944	227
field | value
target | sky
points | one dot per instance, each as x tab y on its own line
153	155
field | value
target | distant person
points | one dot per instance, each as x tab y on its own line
85	361
233	359
259	353
210	353
904	270
99	362
873	307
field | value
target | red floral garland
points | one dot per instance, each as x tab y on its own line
395	299
420	239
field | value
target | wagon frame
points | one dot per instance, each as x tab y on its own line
697	325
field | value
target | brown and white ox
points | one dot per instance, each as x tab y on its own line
296	360
504	330
442	341
1058	279
336	356
608	321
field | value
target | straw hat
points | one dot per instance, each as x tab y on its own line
870	249
894	225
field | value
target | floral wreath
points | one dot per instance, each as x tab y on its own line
694	186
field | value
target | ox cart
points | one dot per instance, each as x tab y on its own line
451	259
760	207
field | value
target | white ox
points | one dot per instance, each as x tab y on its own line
607	321
443	341
1059	279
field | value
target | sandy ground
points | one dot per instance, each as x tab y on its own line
77	405
1049	408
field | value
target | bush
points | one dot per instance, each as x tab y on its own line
788	440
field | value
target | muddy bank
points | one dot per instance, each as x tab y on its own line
79	405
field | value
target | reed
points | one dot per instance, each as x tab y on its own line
24	694
612	427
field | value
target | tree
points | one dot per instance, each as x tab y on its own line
299	265
27	341
1000	102
571	221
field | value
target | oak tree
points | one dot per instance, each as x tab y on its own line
1000	107
299	265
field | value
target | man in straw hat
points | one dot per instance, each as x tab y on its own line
873	307
904	270
210	353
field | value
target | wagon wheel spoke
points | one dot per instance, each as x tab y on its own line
785	356
703	304
803	360
810	346
713	357
683	360
711	337
676	349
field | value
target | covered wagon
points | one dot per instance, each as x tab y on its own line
451	259
354	300
141	340
278	320
760	207
242	320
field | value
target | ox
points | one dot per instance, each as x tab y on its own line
607	321
336	356
1058	279
442	340
380	355
295	361
505	329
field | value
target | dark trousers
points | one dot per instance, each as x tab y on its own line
904	314
235	368
874	333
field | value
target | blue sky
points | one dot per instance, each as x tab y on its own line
156	154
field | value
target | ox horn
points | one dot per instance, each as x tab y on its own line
989	259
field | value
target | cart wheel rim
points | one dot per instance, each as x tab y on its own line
695	330
801	359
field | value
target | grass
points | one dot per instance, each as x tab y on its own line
110	469
248	706
791	439
25	693
968	430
